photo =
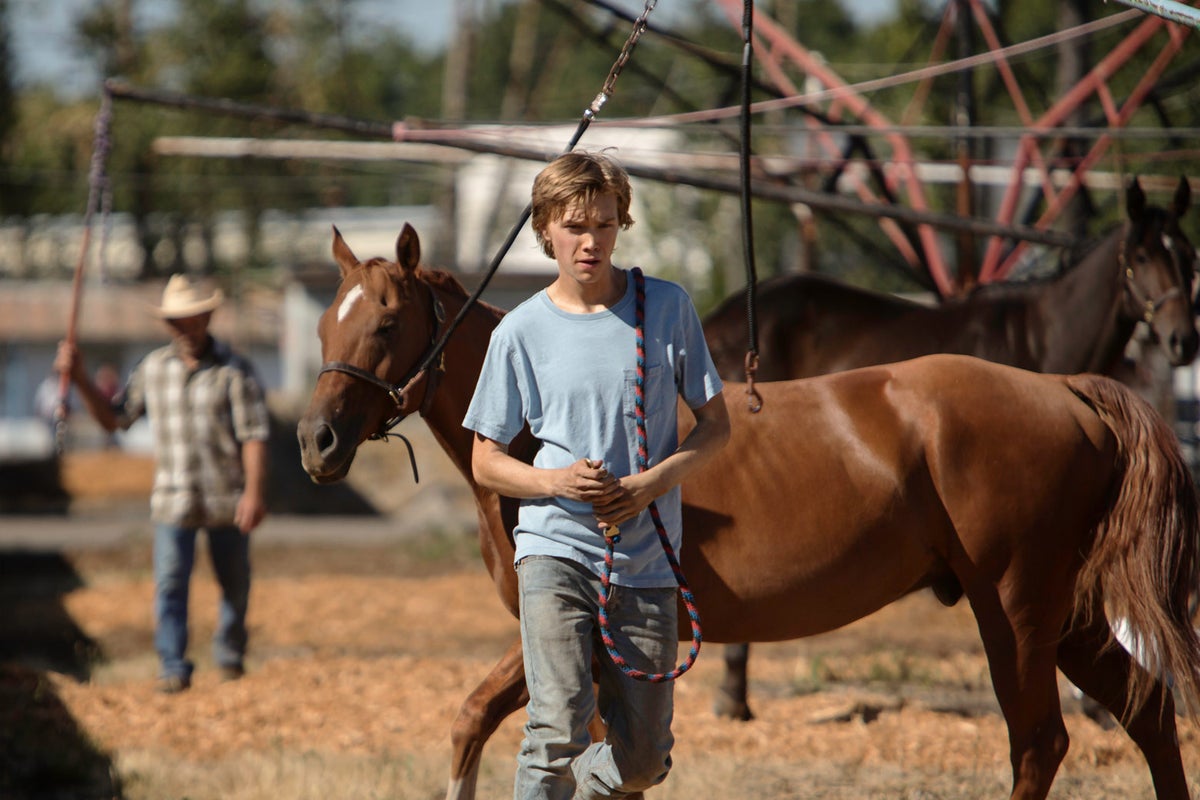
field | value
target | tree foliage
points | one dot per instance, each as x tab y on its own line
10	202
531	62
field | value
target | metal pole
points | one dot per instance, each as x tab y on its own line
1167	9
96	181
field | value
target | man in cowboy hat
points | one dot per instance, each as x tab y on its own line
209	425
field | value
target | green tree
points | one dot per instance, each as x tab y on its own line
332	61
220	49
107	35
11	197
328	56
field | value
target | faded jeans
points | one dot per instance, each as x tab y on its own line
560	632
174	557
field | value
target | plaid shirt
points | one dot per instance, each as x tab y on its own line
198	421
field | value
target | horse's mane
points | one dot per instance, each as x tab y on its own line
1067	263
438	278
434	277
1153	218
441	279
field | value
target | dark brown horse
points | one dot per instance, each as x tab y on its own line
855	489
1079	321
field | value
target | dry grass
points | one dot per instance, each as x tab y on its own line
360	657
360	661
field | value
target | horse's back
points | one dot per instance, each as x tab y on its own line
811	324
958	414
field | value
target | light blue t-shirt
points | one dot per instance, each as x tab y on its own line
572	377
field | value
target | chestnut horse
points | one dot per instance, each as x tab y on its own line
1079	321
855	490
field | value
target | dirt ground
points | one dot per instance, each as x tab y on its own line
362	654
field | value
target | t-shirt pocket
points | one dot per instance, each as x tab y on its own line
655	393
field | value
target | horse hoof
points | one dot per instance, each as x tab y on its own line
726	708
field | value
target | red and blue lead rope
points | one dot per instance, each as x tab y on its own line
685	592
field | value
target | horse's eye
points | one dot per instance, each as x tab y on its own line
386	327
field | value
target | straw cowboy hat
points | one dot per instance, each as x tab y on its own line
184	297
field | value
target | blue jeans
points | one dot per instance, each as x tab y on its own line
560	632
174	557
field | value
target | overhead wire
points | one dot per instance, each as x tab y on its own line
892	81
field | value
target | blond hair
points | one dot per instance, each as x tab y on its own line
577	178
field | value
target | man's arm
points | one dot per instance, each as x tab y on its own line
639	490
69	360
494	468
252	507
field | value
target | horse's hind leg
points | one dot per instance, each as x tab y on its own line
1021	657
1103	675
502	692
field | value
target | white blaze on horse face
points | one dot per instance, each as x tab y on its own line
348	301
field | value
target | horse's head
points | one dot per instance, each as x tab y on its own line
1178	242
1158	263
374	337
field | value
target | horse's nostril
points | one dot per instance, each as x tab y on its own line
325	438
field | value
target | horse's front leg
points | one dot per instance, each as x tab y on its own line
731	700
502	692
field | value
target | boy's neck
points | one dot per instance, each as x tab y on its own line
588	298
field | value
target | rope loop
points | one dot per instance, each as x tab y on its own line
689	601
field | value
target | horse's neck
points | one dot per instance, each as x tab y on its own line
1082	314
464	359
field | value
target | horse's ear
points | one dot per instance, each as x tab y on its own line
1183	198
408	248
342	254
1135	201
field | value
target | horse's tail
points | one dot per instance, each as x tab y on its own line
1145	562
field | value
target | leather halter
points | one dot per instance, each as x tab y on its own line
399	392
1150	306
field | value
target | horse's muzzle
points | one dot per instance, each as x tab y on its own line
325	456
1183	349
